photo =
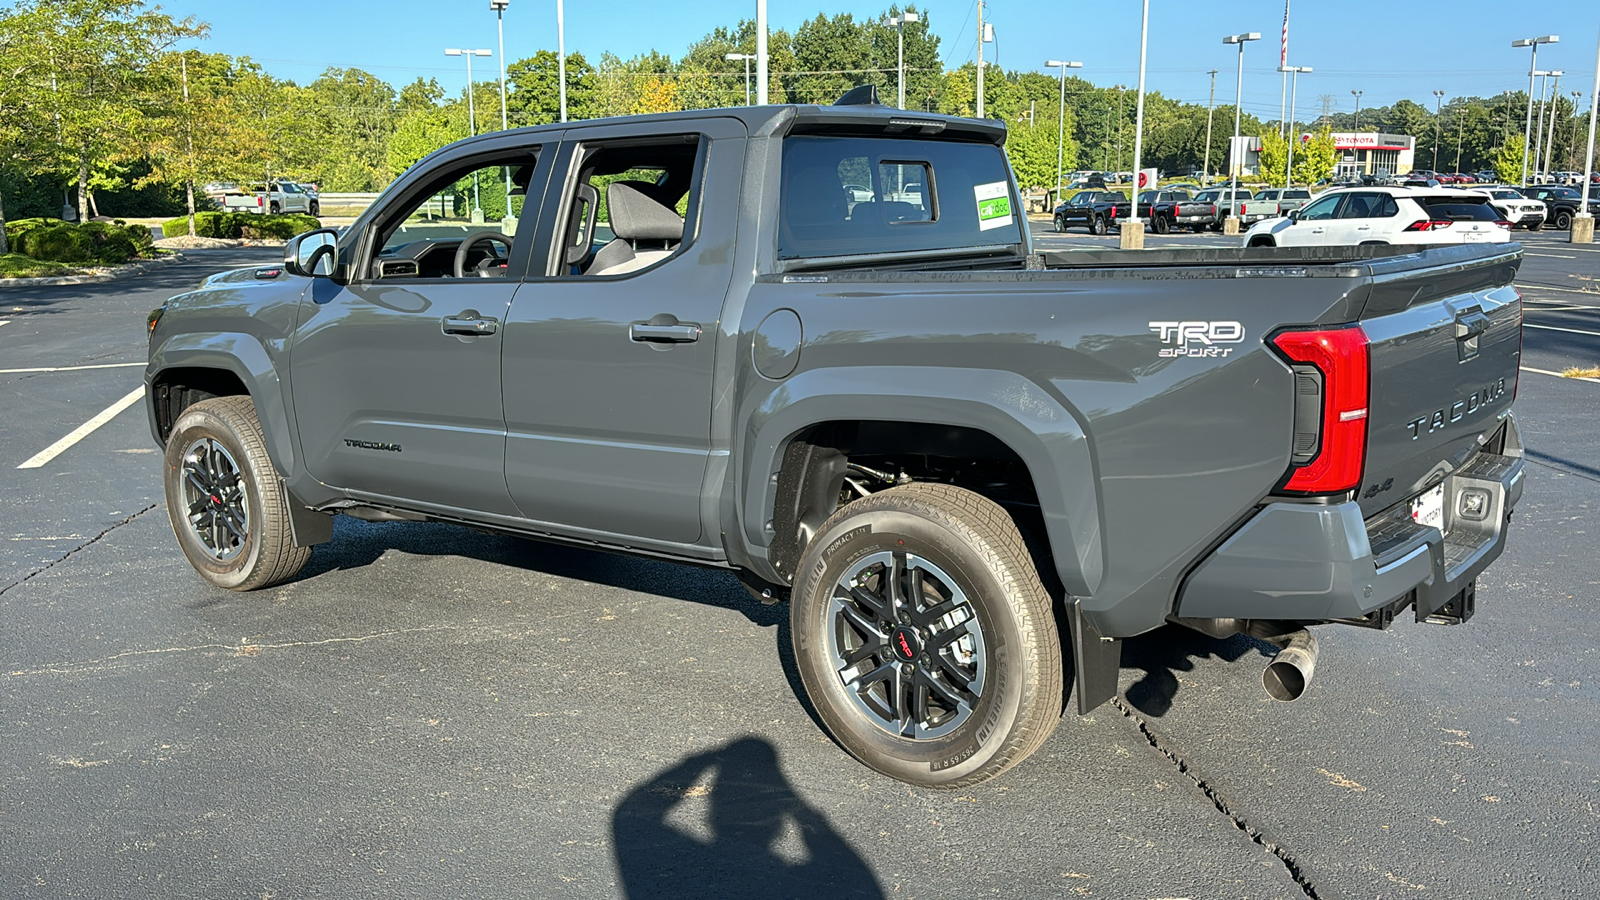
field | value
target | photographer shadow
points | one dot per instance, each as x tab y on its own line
1163	653
727	823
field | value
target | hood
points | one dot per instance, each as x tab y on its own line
247	275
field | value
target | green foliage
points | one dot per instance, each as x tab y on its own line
237	226
101	243
1316	159
16	265
421	132
533	92
1274	158
1507	161
1032	150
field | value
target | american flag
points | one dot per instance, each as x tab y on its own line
1283	54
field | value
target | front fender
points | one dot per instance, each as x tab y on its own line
1033	422
248	359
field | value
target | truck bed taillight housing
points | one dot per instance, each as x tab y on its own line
1331	392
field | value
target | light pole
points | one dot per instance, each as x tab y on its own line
1061	116
1583	223
1233	149
1211	107
499	7
899	23
561	54
1555	104
761	52
472	115
1538	125
980	60
1573	155
1132	238
1357	126
1527	128
1438	121
1294	137
735	57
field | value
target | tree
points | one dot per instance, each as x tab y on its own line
192	138
1508	159
658	95
1316	159
1274	158
421	132
97	57
533	89
1032	150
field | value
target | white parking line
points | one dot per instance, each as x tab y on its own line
1542	287
72	368
1569	330
1559	375
84	430
1549	255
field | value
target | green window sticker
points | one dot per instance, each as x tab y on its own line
994	205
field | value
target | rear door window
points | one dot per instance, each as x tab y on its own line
844	196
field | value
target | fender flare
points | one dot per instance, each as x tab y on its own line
247	359
1039	426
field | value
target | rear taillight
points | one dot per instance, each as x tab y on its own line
1428	225
1503	224
1113	212
258	201
1331	389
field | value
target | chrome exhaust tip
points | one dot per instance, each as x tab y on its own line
1289	674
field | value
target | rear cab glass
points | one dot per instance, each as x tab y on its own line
902	196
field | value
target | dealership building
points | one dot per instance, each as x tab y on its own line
1359	153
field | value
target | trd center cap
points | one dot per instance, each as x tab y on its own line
906	644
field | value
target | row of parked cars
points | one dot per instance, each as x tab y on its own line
1177	207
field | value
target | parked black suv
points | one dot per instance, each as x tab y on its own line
1560	202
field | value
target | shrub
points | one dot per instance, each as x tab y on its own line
233	226
91	242
16	227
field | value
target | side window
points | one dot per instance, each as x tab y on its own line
1387	208
461	224
1361	206
1321	209
629	205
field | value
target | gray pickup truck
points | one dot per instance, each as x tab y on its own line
970	469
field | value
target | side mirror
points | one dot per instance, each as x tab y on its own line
1294	215
312	254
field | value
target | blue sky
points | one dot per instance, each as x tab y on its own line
1408	50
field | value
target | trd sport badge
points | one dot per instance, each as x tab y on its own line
1197	338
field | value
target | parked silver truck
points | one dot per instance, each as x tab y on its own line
278	197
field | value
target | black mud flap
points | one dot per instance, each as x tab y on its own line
1096	660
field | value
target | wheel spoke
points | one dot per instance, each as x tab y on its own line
957	672
868	628
920	687
949	694
860	683
949	635
861	654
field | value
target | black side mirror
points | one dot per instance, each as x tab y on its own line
312	254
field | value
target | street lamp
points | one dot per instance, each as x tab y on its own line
1527	128
1133	238
899	23
472	115
1357	126
1061	116
1538	126
1294	138
1583	224
1438	121
1238	98
735	57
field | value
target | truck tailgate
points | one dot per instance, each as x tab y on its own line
1444	344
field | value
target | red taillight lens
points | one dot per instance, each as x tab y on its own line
1113	212
1340	355
1428	225
1503	224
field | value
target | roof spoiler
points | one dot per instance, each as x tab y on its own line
859	112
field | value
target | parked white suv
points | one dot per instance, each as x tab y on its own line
1385	215
1521	211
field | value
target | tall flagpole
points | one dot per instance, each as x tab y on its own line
1283	62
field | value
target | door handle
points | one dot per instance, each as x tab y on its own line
470	324
664	330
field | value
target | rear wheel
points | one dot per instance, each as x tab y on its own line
925	638
1060	225
227	505
275	209
1262	241
1159	225
1097	225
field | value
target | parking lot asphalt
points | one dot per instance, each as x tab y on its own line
431	712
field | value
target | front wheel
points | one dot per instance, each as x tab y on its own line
1563	220
227	505
1536	226
315	210
1060	225
925	638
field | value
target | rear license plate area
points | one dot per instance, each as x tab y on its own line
1428	509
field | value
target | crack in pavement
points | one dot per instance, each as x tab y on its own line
242	648
1283	854
63	558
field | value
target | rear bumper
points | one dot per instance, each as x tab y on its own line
1309	563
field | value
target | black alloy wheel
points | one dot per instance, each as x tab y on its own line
217	507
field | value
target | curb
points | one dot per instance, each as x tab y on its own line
97	276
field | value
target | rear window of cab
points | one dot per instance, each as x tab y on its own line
846	196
